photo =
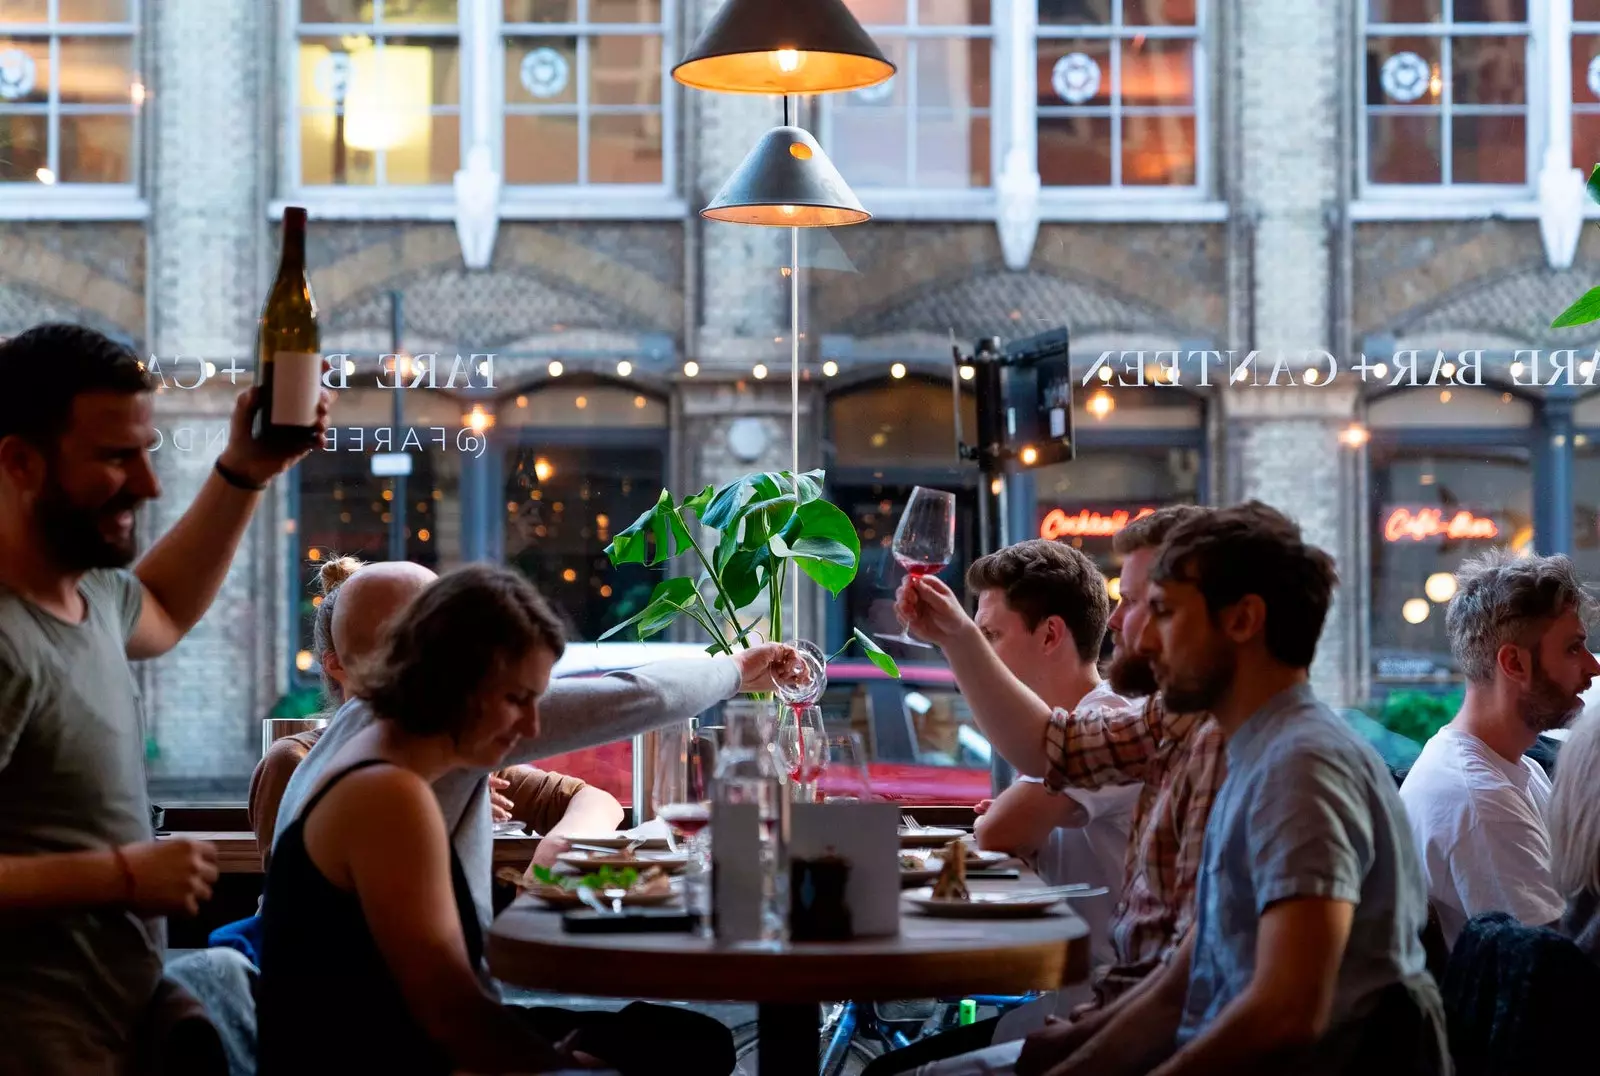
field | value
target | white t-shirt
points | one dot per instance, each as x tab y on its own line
1095	854
1479	823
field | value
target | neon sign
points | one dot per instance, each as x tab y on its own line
1428	523
1087	524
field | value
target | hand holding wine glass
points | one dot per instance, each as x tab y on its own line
931	609
924	542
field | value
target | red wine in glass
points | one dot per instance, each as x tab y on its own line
924	542
686	819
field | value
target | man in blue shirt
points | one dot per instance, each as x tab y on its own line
1306	954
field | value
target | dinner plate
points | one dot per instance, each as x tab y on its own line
930	837
651	844
917	877
560	897
583	862
982	905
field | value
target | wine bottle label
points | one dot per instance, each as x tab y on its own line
296	387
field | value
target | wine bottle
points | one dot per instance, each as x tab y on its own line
289	348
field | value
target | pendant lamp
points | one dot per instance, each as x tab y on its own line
786	181
783	47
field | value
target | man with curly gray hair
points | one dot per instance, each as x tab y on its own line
1477	806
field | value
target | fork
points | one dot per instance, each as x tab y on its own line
911	823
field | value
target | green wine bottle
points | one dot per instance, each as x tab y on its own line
289	349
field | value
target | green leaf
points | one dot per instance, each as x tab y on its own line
1594	183
744	576
810	484
546	875
697	503
1582	312
727	504
672	537
877	656
667	602
814	522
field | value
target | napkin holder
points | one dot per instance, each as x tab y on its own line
864	840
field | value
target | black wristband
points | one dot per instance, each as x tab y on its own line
237	480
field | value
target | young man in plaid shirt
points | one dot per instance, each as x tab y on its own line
1177	757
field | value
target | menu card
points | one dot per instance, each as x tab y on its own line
866	836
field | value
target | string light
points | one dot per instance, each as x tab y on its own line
897	371
760	372
968	373
691	369
830	368
624	368
556	369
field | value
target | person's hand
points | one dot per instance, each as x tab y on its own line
930	610
1052	1044
760	667
170	877
249	458
983	807
500	806
550	848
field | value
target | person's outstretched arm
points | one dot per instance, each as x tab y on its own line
183	571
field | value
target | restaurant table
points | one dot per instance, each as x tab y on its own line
931	957
237	852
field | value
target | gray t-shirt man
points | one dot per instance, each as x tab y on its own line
73	986
573	714
1310	810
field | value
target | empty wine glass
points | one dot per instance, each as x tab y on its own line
803	750
845	776
924	542
811	678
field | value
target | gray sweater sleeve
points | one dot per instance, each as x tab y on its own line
580	712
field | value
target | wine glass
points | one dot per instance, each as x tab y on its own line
803	749
924	542
845	775
685	761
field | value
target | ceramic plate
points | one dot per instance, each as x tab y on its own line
583	862
929	837
559	897
981	906
650	844
917	877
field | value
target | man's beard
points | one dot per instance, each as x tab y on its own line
1546	705
1202	688
73	535
1130	674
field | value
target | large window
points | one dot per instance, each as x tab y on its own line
379	93
584	92
928	126
395	94
1585	54
581	462
70	92
1118	99
1445	98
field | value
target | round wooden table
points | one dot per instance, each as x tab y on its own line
929	958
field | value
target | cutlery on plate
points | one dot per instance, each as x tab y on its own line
1078	890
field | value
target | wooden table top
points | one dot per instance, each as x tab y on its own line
237	852
929	958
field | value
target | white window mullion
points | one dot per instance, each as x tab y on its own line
478	183
1560	186
1017	186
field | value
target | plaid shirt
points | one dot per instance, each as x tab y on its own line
1179	759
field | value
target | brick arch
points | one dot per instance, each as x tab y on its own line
47	285
1517	305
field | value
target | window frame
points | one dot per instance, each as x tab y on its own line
1015	34
81	201
480	34
1450	200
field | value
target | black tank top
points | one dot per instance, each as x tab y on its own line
327	1001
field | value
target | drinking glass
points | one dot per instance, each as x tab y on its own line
685	762
803	749
845	775
924	542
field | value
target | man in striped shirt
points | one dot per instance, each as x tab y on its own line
1177	757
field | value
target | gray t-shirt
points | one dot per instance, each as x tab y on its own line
1309	810
72	777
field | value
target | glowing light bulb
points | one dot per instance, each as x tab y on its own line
1105	373
897	371
968	373
760	372
1101	404
624	368
691	369
542	469
1354	435
786	60
1029	456
1440	587
830	368
1415	611
302	660
46	177
556	369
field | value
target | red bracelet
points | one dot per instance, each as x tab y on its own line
127	873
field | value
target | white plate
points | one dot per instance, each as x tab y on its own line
929	838
510	829
915	878
981	906
583	861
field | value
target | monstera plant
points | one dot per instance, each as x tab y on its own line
767	525
1587	308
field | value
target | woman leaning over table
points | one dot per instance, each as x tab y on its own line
365	900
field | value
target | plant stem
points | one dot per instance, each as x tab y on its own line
716	581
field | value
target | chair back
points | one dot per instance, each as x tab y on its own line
1519	1000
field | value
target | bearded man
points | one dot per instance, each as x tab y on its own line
1476	805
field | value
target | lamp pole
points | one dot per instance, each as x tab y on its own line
397	507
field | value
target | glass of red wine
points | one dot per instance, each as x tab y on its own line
682	791
803	750
924	542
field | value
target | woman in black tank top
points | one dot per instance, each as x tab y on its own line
370	940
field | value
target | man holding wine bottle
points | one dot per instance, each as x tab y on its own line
83	884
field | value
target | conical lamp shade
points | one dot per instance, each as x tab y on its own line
783	47
787	182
